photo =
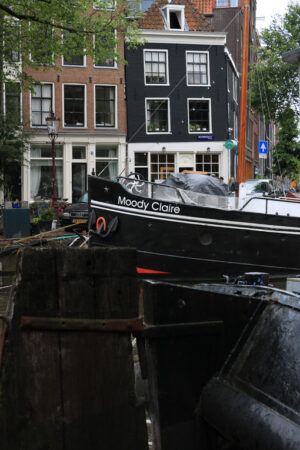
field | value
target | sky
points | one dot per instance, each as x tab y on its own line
267	9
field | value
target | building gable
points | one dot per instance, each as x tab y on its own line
158	16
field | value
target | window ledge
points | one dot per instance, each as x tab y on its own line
74	127
197	85
157	84
74	65
106	67
158	132
199	132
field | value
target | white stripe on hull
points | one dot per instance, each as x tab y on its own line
180	219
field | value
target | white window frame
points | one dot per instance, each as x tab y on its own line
169	115
179	10
110	6
207	65
210	154
209	115
107	159
102	127
63	106
167	66
46	158
114	66
53	104
74	65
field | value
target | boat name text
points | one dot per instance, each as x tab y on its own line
154	206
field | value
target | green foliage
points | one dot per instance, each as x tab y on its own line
46	214
13	142
286	156
34	29
274	83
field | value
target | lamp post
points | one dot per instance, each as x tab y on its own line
53	126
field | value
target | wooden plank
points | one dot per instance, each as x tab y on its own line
71	390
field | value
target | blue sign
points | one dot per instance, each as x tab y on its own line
263	147
205	138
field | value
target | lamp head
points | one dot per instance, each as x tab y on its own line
52	124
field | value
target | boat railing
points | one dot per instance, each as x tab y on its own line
282	206
157	191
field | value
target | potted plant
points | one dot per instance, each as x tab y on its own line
45	219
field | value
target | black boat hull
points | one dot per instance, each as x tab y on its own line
180	240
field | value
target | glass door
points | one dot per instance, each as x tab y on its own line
78	181
79	172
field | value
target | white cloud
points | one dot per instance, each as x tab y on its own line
267	9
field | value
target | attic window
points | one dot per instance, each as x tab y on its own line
175	20
173	17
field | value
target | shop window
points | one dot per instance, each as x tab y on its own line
208	163
161	165
41	174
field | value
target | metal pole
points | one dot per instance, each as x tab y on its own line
241	169
54	190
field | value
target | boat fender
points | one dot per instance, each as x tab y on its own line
111	228
101	224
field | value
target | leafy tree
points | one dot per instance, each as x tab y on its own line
13	142
286	156
37	32
34	33
273	82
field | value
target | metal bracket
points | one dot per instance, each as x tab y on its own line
72	324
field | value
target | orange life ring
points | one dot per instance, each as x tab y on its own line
101	220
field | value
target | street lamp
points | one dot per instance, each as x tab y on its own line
53	126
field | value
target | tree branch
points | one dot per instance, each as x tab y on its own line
33	18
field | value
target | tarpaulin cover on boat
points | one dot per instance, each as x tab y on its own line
204	184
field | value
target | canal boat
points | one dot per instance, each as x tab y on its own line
184	234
